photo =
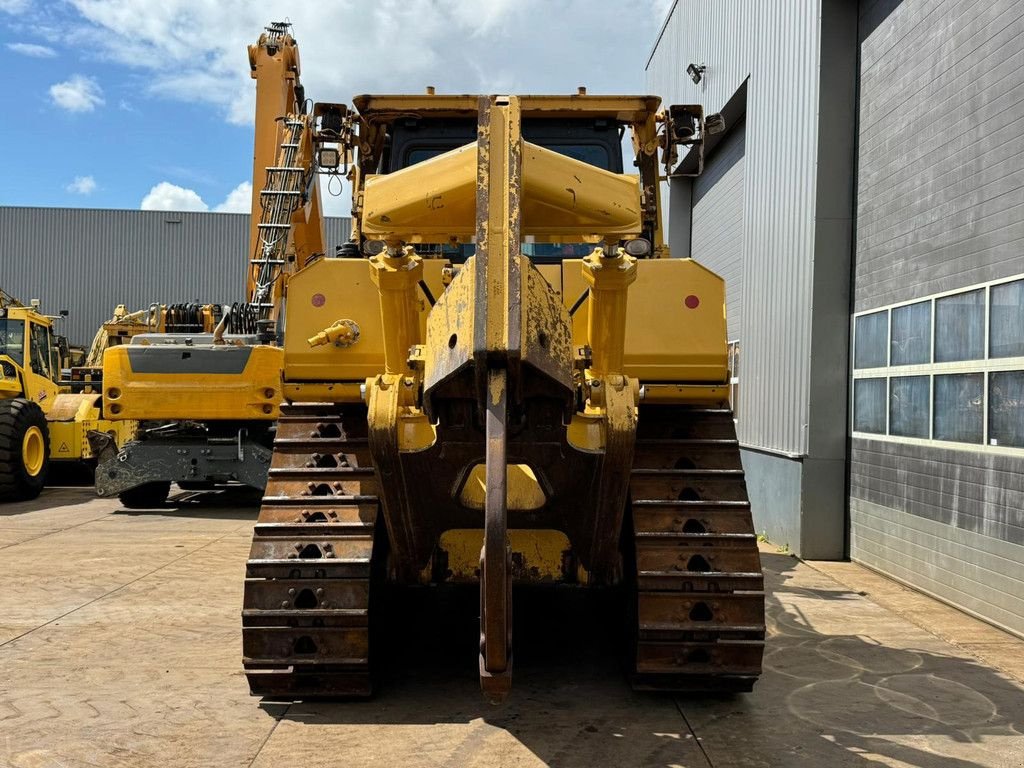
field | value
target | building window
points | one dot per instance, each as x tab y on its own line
960	327
911	334
1006	409
872	335
1006	324
908	405
869	405
945	369
958	407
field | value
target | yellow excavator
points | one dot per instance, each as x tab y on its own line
42	419
204	381
504	378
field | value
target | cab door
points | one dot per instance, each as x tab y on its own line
40	384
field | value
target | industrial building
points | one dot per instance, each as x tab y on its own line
865	207
88	261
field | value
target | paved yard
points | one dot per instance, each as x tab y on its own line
120	646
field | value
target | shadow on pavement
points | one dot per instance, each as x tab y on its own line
51	497
831	694
235	502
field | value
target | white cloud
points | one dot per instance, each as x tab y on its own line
82	185
239	200
170	197
14	6
33	50
77	94
194	50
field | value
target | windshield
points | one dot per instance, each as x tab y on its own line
12	340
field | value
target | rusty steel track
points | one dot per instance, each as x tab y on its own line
305	617
699	610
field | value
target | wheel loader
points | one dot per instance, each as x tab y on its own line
42	421
505	378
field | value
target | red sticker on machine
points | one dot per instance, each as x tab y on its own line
319	299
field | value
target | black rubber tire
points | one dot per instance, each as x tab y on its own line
18	416
146	496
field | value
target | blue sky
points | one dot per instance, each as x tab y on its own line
136	103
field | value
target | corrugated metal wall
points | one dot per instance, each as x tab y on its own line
717	221
941	184
776	44
940	207
88	261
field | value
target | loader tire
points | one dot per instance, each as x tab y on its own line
24	449
146	496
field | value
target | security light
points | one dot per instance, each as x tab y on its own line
696	72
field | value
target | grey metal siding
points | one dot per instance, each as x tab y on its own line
798	58
88	261
941	186
940	206
977	573
717	222
777	45
977	492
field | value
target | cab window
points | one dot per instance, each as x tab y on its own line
39	350
12	340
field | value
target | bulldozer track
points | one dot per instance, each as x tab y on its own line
699	610
305	616
699	607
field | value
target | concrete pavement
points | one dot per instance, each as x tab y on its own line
120	646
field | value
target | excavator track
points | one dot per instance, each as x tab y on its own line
305	616
699	610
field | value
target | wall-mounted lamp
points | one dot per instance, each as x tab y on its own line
696	72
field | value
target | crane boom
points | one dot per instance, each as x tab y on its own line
286	224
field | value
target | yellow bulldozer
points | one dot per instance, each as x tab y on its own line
42	418
504	378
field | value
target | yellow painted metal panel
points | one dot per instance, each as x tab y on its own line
553	274
667	339
538	553
564	196
341	289
254	393
436	199
523	492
